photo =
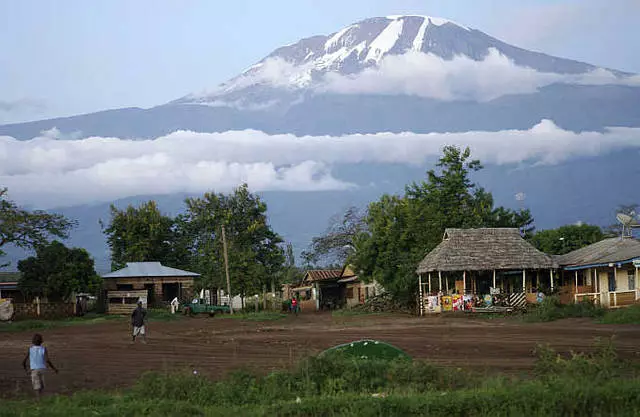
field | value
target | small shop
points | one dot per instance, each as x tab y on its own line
480	269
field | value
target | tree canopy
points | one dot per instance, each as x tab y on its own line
255	254
141	234
57	272
338	241
28	229
566	238
401	230
193	240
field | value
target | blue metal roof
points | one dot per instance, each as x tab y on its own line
636	262
148	270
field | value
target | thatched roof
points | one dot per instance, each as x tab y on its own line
614	250
484	250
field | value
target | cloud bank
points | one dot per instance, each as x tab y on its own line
462	78
420	74
48	172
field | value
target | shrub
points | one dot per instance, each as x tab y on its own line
627	315
552	309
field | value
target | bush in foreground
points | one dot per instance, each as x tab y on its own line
552	309
580	384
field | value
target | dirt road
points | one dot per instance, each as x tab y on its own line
101	355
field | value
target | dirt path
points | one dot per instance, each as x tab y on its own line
101	356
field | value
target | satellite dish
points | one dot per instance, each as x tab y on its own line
628	222
625	219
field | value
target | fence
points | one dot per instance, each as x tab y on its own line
41	310
611	299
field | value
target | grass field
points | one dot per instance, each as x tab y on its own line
582	384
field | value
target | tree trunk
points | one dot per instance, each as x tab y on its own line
264	297
273	295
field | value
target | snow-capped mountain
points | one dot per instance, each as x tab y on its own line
394	73
414	74
307	64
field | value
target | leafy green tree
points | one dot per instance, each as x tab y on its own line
142	234
28	229
57	272
566	238
291	273
255	253
401	230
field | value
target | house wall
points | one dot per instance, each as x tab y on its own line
622	278
361	292
111	284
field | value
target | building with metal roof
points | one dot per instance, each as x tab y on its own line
162	283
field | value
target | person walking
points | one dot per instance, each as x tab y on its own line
138	319
38	358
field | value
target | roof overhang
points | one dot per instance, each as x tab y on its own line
301	289
348	279
8	286
635	262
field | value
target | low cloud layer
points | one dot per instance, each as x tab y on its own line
48	172
462	78
423	75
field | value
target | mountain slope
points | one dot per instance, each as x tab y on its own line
397	73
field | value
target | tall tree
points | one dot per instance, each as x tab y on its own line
28	229
255	253
141	234
338	241
566	238
57	272
402	229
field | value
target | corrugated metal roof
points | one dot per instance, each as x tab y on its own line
604	252
148	269
322	275
6	276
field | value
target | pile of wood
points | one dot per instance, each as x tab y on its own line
382	303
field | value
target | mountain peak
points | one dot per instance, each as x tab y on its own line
363	46
436	21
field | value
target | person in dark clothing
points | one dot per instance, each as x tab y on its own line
138	318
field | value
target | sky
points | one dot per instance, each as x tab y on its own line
69	57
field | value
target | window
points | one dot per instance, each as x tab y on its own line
350	292
124	287
631	274
366	292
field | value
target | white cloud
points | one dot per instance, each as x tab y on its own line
461	78
48	172
419	74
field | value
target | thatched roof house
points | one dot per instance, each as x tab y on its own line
608	251
484	250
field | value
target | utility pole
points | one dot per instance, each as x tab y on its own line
226	268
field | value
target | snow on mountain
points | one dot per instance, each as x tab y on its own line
365	45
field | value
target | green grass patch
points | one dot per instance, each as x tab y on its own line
625	315
24	325
598	383
552	309
162	314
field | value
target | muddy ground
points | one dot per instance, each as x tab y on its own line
102	356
